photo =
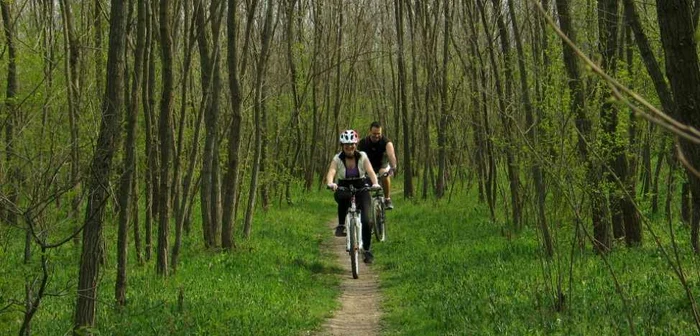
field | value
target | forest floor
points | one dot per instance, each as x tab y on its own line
359	313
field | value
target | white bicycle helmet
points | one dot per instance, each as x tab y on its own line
349	137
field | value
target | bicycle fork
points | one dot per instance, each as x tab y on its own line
353	218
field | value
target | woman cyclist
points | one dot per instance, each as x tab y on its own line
352	167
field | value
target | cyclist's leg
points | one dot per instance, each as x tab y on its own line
385	182
343	204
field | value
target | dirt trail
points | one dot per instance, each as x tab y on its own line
359	313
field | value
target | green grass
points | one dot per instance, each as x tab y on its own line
446	270
277	283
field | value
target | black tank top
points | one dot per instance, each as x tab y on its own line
375	150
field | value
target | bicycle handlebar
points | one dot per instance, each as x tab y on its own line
354	190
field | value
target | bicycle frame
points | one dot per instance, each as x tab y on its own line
353	232
353	213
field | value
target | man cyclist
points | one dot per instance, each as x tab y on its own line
376	145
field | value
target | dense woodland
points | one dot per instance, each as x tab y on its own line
168	118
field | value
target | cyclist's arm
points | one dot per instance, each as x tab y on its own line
330	176
391	155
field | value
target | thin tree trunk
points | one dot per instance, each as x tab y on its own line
608	41
98	27
231	188
150	175
165	136
13	174
258	111
657	173
489	159
532	126
100	172
210	121
444	113
73	99
182	187
513	174
292	162
138	245
126	193
583	125
403	102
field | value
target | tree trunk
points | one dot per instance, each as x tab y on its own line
73	100
165	136
258	110
655	182
601	231
615	154
13	173
210	120
683	70
101	166
150	174
126	192
293	162
98	27
182	186
231	190
532	126
503	97
488	158
403	102
444	113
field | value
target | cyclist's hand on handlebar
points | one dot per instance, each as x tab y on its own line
393	171
376	186
332	186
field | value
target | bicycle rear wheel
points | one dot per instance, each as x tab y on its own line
354	248
379	224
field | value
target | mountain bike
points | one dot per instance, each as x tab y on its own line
353	229
378	211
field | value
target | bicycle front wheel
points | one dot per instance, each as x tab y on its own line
354	248
379	224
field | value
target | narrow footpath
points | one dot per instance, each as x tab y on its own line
359	313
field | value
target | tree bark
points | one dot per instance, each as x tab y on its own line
601	234
614	154
532	126
148	94
165	136
13	173
126	192
444	113
403	101
183	186
235	72
72	46
206	58
504	110
258	111
101	166
683	71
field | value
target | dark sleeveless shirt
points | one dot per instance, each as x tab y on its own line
375	150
